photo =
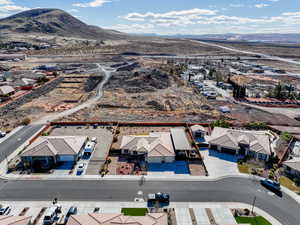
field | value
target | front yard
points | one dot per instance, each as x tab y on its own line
285	181
247	167
258	220
134	211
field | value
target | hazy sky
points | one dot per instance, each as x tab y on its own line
176	16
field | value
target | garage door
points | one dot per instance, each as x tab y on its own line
228	151
66	158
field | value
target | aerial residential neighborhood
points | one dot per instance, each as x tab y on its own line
149	112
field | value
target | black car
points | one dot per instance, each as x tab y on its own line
160	197
72	211
270	184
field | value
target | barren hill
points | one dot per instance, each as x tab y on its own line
54	22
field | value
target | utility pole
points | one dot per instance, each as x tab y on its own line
253	204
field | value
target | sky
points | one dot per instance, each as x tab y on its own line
170	17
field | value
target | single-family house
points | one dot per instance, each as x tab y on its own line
244	142
6	90
180	142
292	167
118	218
155	148
198	131
15	220
48	151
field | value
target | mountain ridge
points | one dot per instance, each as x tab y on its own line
50	21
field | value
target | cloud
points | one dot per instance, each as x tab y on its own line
206	21
95	3
262	5
5	2
12	8
190	14
73	10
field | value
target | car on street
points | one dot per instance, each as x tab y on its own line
159	197
270	184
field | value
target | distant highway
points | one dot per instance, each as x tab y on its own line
250	53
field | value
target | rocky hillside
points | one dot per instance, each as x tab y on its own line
54	22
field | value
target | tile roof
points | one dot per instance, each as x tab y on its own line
114	219
4	90
293	163
179	139
258	141
55	145
155	144
15	220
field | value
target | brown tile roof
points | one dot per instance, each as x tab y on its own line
113	219
15	220
231	138
293	163
155	144
55	145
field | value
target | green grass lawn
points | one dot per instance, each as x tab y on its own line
134	211
258	220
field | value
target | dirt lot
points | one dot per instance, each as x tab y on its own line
243	114
150	96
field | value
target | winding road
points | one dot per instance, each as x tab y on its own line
87	104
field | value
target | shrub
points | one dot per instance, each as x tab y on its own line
297	181
26	121
285	136
220	123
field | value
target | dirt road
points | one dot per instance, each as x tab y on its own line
87	104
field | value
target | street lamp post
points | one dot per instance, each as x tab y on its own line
253	204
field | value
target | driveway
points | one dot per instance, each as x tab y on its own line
219	164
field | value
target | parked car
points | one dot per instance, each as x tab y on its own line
270	184
81	167
50	215
2	134
160	197
71	211
4	210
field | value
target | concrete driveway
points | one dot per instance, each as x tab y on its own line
219	164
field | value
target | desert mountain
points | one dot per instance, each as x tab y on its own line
54	22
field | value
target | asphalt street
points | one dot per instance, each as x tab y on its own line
284	209
16	140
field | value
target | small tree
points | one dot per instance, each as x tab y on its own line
25	121
220	123
285	136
